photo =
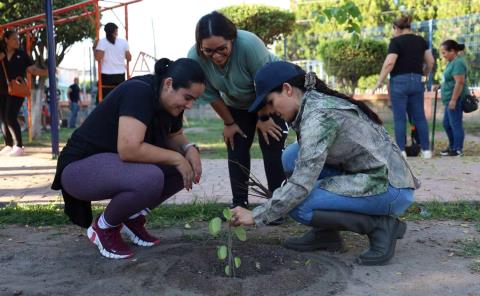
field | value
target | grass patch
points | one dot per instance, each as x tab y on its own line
461	210
52	214
172	214
470	248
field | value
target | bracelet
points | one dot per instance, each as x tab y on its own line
188	145
229	124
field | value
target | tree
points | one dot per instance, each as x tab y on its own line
349	60
65	36
267	22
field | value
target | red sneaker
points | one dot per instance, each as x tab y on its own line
135	230
109	241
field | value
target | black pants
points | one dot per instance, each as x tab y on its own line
109	82
272	155
9	108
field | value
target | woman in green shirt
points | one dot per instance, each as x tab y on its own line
230	58
454	90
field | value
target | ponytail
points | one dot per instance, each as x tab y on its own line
403	22
450	45
183	72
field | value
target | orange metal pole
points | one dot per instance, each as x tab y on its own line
29	98
126	36
97	35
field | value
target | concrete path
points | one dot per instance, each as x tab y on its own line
26	180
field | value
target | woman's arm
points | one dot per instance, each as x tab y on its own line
128	56
387	67
178	142
429	62
231	128
132	148
34	70
457	90
131	145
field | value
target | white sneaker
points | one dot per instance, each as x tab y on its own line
404	154
426	154
6	150
17	151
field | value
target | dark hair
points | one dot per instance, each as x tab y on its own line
6	35
109	29
320	86
183	72
403	22
450	45
213	24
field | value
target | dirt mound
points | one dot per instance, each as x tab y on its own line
265	270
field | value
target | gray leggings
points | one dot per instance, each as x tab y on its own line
131	187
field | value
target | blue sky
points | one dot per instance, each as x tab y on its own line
173	24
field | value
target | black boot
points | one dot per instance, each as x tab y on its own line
316	239
382	232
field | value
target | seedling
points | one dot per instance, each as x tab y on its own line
225	252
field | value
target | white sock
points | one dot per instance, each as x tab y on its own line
103	224
142	212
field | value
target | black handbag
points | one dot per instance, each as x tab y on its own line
469	103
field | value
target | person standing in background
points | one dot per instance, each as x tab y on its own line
74	97
454	90
111	52
15	63
408	59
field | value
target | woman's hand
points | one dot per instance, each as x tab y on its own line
452	104
193	157
242	216
269	127
185	169
229	133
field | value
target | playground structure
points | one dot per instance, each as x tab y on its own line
90	9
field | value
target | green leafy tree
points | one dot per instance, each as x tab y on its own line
65	36
349	60
267	22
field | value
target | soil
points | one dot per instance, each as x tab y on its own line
61	261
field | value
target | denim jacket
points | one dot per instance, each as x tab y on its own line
336	132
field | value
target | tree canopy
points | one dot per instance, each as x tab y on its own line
267	22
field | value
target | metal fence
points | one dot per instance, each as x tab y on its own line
463	29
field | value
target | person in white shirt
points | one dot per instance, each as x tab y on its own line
111	52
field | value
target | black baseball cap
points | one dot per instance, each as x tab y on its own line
271	76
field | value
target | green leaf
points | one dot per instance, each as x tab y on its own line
227	214
227	270
240	233
237	261
215	226
222	252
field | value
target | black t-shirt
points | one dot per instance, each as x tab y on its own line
16	66
134	98
74	94
410	49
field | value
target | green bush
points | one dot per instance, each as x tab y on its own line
349	60
267	22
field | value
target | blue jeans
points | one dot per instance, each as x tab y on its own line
406	94
73	114
453	125
393	202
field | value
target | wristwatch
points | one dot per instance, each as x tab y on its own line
188	145
264	117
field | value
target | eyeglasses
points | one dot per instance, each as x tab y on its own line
222	49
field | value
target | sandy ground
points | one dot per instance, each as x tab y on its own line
27	179
61	261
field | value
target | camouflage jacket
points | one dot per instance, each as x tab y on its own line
336	132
